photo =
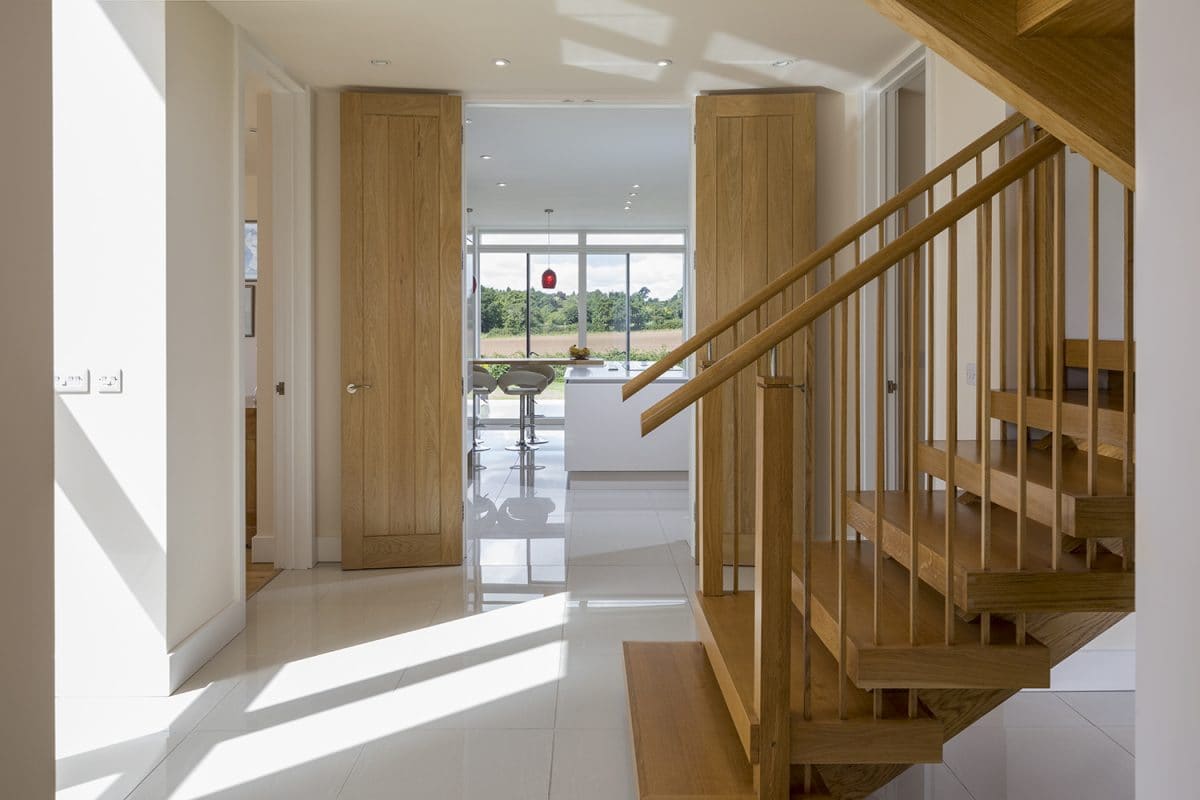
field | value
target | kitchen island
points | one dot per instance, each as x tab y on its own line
603	432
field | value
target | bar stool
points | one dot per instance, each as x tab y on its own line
482	385
524	385
546	371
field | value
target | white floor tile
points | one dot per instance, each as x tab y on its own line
592	765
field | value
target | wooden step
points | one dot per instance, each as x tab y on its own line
1003	588
726	626
684	743
894	663
1107	514
1039	410
1110	354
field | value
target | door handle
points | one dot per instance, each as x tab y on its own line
351	388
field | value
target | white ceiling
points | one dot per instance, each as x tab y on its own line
580	161
599	49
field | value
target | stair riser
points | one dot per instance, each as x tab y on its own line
1082	517
1004	592
930	666
1039	413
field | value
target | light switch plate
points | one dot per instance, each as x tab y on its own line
72	381
109	381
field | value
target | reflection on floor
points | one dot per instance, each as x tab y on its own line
258	574
502	678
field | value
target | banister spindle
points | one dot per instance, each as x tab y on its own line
911	466
880	447
1023	245
840	529
809	361
983	391
1059	323
929	338
1127	367
857	349
951	515
1002	280
1093	398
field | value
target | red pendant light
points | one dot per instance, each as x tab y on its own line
549	277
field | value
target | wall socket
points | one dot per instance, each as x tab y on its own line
109	382
76	381
971	374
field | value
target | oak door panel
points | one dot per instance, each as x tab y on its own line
401	330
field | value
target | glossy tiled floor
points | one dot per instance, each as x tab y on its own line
502	678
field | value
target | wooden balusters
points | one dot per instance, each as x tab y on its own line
1127	367
929	322
1002	279
839	531
1059	323
951	412
712	492
983	393
910	385
880	441
810	513
1023	265
856	302
773	445
1093	397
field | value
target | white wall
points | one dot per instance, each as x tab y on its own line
204	396
145	256
1166	293
27	425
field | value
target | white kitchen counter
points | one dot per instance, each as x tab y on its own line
603	432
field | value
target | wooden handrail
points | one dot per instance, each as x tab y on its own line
839	289
820	256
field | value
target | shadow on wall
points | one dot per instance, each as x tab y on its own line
119	530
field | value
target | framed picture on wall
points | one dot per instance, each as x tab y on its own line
248	310
250	250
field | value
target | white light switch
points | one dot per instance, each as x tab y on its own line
72	382
109	382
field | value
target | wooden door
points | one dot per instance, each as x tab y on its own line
402	453
755	218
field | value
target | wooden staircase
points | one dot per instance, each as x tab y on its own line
904	612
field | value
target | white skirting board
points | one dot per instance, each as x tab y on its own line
262	549
329	548
204	643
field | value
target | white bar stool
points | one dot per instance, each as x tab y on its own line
524	385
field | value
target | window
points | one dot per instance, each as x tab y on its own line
619	293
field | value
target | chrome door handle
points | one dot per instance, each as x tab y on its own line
351	388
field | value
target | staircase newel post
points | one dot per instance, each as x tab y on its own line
773	584
711	492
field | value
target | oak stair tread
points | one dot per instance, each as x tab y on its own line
1002	588
1039	411
1108	513
684	743
895	663
726	627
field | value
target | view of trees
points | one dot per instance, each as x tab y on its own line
502	311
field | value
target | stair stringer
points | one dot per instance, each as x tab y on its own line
957	709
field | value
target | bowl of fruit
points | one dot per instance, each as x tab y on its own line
579	353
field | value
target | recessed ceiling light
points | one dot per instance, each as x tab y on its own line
663	62
637	186
783	62
589	100
627	208
501	185
633	194
568	100
501	62
467	121
380	62
486	157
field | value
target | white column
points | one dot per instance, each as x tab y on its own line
27	423
1167	327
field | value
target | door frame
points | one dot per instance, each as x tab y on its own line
880	182
292	545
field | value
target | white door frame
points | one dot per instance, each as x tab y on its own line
880	182
293	497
